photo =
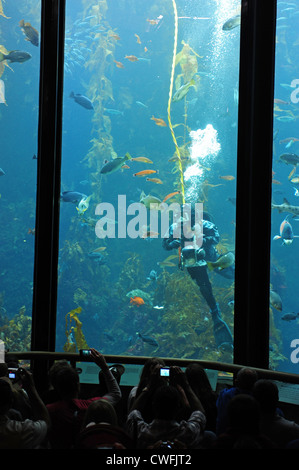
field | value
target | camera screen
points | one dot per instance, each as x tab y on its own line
164	372
85	352
12	375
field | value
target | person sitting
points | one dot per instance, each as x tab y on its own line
243	430
145	376
200	384
244	382
277	428
167	401
197	246
67	412
100	428
28	433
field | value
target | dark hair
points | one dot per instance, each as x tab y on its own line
244	414
197	378
166	402
266	393
246	378
66	382
100	411
6	396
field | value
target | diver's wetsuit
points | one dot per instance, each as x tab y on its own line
199	273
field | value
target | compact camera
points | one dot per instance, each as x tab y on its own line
13	373
85	353
165	372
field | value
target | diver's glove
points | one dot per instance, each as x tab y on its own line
200	254
176	243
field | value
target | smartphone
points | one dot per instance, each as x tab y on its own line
85	352
164	372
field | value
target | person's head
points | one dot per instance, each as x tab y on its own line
6	397
100	411
166	402
3	369
244	414
267	395
197	377
246	378
65	381
149	366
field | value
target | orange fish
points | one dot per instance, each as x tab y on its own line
159	121
136	301
138	39
119	64
227	177
145	172
292	172
154	180
276	182
171	195
145	49
131	58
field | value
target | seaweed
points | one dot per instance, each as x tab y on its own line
74	334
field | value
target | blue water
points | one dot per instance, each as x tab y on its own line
109	322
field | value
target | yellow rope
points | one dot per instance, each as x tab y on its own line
170	98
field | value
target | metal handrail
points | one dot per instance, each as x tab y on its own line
137	360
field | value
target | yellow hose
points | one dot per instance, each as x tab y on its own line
170	98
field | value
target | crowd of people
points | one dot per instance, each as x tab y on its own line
169	408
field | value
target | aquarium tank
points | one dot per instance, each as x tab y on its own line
150	123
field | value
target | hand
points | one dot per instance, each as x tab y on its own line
27	379
176	243
98	358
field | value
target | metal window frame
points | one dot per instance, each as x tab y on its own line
254	169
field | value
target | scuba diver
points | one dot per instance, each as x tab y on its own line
195	251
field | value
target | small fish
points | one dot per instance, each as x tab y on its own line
296	192
289	159
159	121
115	36
136	301
286	207
131	58
182	91
231	303
145	172
15	56
99	250
34	157
2	172
141	159
98	257
148	339
153	276
232	23
223	262
149	234
152	22
114	111
115	164
120	65
285	232
286	118
275	300
138	38
154	180
171	195
83	205
149	200
30	33
82	100
158	307
72	196
290	316
292	172
227	177
31	231
141	104
295	180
